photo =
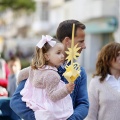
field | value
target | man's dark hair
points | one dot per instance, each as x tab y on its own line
65	29
14	58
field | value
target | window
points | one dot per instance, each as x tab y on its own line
45	11
67	0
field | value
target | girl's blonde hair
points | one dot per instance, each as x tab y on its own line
108	53
39	59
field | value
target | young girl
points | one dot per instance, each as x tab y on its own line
44	92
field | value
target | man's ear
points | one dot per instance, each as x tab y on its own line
67	41
46	55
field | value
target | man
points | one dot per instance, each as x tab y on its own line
79	95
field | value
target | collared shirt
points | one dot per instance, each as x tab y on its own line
115	83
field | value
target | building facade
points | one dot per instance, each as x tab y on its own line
101	18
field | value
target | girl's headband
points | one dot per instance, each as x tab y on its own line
46	39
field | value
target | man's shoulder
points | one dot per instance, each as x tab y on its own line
82	68
82	71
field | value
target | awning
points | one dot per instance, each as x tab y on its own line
101	25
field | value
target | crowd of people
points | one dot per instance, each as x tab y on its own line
8	77
41	92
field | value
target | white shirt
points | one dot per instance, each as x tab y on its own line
115	83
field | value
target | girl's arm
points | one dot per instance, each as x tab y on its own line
23	74
52	89
51	80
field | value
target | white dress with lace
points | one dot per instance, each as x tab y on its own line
47	95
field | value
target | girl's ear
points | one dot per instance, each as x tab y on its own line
46	55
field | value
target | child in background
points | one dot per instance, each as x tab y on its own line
14	65
44	92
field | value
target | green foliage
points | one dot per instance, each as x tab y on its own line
27	5
25	63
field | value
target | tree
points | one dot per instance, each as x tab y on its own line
28	5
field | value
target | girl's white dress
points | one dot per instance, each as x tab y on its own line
47	95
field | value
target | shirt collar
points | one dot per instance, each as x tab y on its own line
63	65
109	76
62	69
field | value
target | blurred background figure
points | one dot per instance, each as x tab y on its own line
14	66
4	73
8	73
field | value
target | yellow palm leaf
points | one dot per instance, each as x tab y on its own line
72	72
72	53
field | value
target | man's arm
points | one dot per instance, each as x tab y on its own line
80	98
18	106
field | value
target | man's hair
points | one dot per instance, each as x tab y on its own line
65	29
14	59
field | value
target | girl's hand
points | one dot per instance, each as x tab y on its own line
70	87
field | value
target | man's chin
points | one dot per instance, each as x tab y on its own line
79	51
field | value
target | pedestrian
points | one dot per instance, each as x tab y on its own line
14	65
104	88
6	113
79	95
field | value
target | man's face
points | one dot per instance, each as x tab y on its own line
79	39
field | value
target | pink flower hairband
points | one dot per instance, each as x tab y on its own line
46	39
